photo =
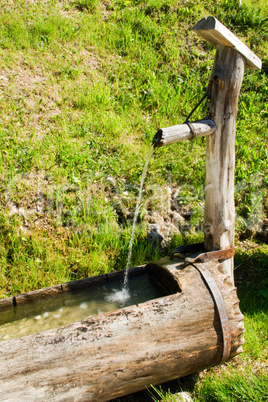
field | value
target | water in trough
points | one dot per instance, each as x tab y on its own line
68	307
49	313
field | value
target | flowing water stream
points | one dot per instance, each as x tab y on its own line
124	293
150	153
71	307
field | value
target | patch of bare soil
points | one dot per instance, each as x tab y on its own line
31	96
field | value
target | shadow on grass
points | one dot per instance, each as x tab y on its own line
251	279
161	392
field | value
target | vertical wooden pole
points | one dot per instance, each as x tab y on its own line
231	58
224	88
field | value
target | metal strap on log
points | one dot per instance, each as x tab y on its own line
218	299
200	255
195	260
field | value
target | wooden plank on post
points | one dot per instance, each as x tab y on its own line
216	34
227	75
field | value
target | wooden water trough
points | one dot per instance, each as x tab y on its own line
196	323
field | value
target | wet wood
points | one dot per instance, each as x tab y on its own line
182	132
126	350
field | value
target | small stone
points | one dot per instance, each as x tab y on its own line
154	234
177	218
111	180
183	397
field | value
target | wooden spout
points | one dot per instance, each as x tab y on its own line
181	132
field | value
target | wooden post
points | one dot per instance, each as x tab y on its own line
232	56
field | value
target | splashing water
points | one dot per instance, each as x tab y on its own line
123	295
67	307
74	308
119	296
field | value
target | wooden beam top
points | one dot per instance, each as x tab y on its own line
216	33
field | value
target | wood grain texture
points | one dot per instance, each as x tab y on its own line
224	88
123	351
182	132
216	33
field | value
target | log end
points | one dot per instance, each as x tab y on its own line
158	139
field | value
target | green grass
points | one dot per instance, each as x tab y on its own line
234	385
84	86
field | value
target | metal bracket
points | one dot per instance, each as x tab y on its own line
213	255
192	130
196	260
199	255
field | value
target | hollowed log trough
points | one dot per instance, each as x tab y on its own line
126	350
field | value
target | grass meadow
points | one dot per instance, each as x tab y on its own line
84	86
